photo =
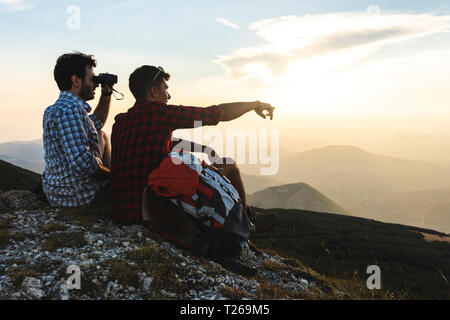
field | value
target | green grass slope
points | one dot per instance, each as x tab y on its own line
341	247
13	177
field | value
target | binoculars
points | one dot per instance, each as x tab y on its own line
105	78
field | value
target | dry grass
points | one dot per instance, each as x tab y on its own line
5	223
64	240
52	227
233	293
432	237
124	274
17	276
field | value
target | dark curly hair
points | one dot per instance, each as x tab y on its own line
142	79
70	64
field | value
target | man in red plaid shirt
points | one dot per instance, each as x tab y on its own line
142	137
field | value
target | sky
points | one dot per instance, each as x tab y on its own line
369	73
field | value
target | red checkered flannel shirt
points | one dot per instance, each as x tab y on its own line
141	138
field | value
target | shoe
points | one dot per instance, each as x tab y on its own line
263	221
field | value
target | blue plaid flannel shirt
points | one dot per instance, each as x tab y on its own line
72	152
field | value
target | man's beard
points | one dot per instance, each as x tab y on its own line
85	92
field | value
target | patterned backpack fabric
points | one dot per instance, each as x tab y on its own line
193	205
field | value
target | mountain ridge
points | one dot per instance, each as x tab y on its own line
294	196
14	177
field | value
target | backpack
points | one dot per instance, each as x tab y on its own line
193	205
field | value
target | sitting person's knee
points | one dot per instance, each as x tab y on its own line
105	149
224	162
103	136
228	165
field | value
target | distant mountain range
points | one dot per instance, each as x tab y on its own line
374	186
253	183
346	169
26	154
294	196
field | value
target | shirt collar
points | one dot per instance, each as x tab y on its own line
70	96
143	102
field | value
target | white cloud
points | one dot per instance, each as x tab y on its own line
326	41
15	5
228	23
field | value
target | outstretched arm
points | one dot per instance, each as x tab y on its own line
233	110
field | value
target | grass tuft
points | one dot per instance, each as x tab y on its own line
64	240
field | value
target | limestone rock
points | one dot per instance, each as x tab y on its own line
32	288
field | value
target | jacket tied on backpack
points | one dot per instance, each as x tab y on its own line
202	196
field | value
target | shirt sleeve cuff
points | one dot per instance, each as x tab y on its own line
94	167
215	115
98	124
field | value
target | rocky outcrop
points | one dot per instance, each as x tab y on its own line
42	248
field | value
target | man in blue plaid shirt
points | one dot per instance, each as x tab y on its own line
77	151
